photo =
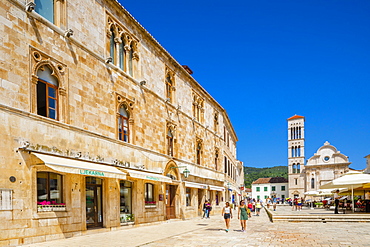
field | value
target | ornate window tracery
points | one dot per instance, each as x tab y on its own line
198	107
123	47
48	94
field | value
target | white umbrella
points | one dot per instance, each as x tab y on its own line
349	181
311	193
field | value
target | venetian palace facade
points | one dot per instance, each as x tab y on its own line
100	126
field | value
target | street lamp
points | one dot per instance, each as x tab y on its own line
186	173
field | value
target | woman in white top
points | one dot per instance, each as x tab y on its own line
227	214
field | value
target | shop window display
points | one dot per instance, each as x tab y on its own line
125	202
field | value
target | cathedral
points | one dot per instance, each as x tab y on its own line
325	165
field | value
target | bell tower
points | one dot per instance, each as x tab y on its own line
296	156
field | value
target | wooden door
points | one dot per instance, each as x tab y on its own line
171	201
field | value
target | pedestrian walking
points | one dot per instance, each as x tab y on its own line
336	201
268	202
250	208
206	209
274	202
299	204
243	215
258	207
227	214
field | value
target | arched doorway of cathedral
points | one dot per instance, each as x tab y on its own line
295	194
172	189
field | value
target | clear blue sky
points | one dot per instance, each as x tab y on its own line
265	61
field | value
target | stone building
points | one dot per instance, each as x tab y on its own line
296	156
100	126
325	165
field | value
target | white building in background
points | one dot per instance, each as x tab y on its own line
264	188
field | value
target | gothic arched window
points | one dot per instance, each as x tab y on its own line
123	124
169	85
198	152
122	54
112	45
47	93
130	58
169	142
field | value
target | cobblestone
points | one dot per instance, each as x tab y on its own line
210	232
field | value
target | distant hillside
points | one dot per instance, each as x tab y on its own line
252	174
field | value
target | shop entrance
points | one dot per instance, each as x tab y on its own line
94	209
171	201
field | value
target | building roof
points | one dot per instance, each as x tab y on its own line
248	190
295	117
270	180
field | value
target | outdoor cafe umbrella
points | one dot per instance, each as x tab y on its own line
349	181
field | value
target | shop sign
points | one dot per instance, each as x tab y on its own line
152	178
92	173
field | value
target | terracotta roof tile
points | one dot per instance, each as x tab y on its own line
270	180
295	117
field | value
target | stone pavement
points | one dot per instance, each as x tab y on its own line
210	232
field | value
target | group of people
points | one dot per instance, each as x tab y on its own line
227	213
297	203
244	212
245	209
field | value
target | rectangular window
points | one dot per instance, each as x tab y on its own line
266	197
282	188
296	181
45	8
149	194
217	198
264	188
52	10
258	197
49	188
273	188
257	188
6	199
49	192
188	197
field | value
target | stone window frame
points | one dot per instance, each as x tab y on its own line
60	13
169	80
170	126
129	105
59	70
198	151
217	158
198	107
215	122
129	51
